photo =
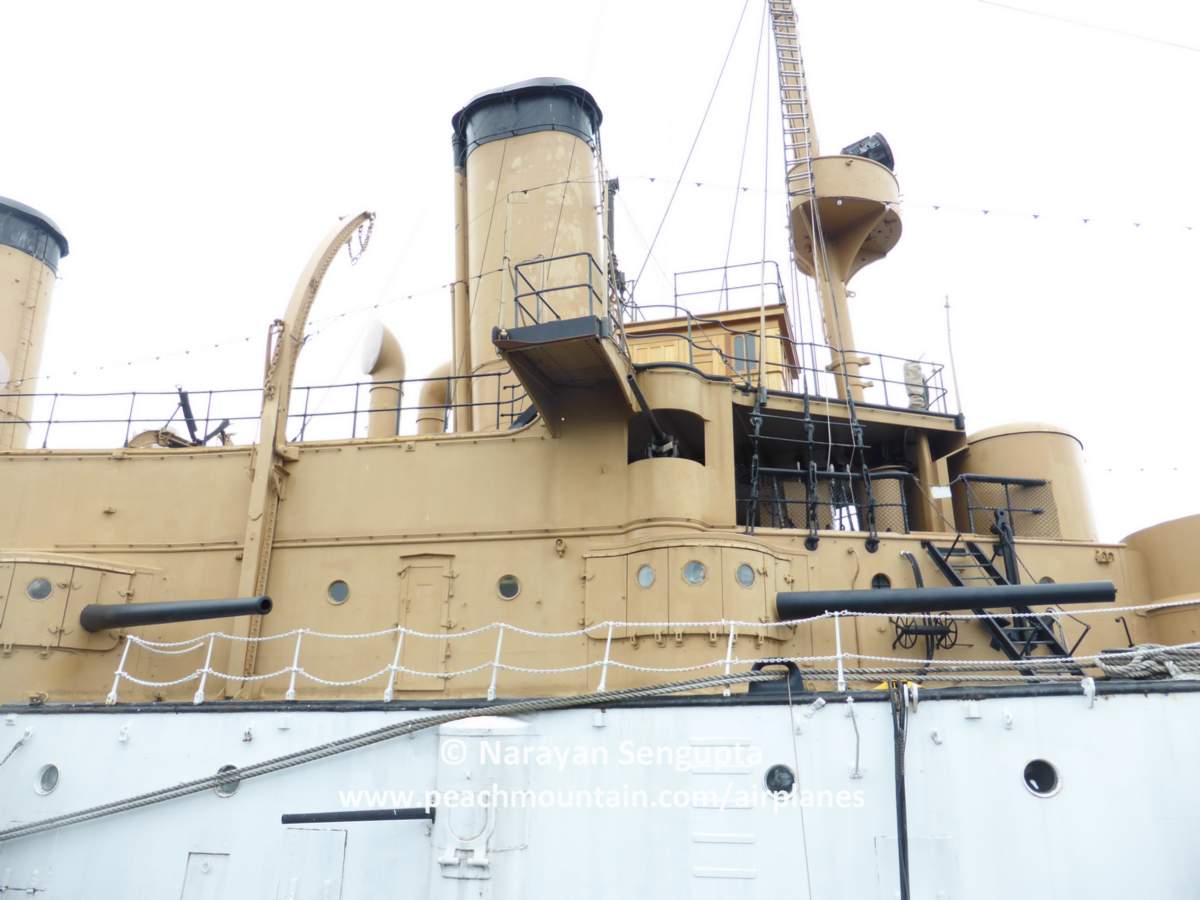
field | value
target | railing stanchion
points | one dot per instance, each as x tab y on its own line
207	412
388	691
304	415
295	667
603	685
841	665
491	693
50	421
354	416
129	418
729	655
120	673
198	697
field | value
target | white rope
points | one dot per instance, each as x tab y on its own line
1143	661
354	742
710	625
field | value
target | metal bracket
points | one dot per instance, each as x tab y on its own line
468	859
1089	690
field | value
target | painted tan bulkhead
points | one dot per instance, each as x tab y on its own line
1167	554
401	521
561	525
1030	450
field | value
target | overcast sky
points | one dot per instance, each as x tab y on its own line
195	154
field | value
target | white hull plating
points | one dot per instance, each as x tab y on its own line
675	809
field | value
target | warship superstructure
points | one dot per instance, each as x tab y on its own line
625	599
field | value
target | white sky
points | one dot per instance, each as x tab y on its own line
195	155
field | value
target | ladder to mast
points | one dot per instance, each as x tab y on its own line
799	135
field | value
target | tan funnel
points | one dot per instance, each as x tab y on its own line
529	196
30	247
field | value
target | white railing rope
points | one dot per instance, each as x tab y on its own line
847	665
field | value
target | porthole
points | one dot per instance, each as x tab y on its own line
508	587
744	575
1045	579
881	582
695	572
780	779
645	576
1041	778
227	787
47	779
39	589
338	592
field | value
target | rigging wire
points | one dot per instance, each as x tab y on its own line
366	739
909	204
794	730
562	202
491	221
695	141
1083	24
198	349
762	29
762	272
641	235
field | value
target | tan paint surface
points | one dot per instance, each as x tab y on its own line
25	289
528	197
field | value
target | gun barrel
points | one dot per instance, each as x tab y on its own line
805	604
103	616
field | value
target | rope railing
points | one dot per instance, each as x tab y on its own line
844	666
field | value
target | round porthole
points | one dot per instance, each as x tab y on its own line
645	576
744	575
338	592
227	787
47	779
881	582
508	587
695	572
39	589
1041	778
780	779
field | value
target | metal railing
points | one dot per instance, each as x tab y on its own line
531	305
744	280
826	500
797	369
524	289
97	420
1029	503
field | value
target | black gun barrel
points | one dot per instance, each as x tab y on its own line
103	616
406	814
805	604
660	436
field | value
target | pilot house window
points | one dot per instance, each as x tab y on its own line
744	352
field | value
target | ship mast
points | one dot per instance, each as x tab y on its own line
842	212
